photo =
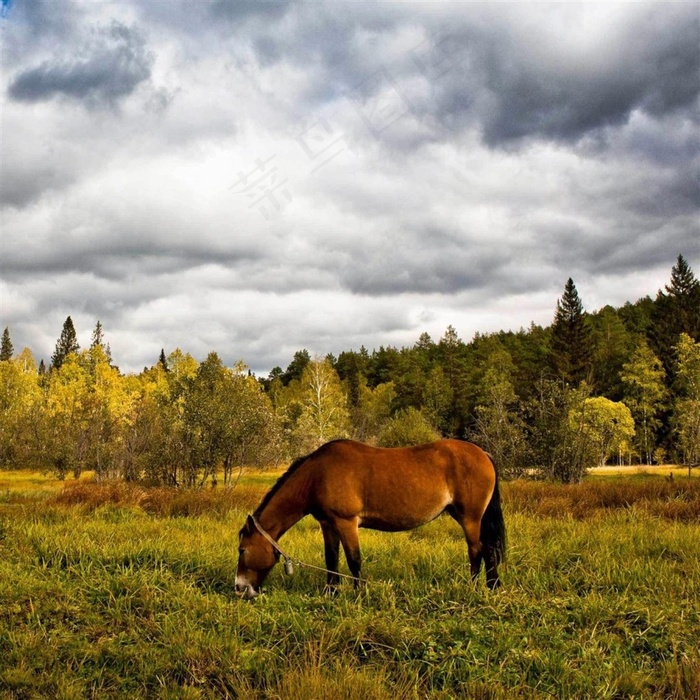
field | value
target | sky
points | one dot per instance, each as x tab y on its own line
254	178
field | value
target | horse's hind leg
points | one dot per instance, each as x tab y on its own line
492	580
478	553
472	533
331	542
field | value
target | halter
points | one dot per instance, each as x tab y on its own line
289	562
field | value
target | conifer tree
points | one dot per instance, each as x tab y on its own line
98	341
570	344
66	344
98	335
162	360
6	350
684	290
296	368
675	311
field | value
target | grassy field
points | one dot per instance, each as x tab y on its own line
115	591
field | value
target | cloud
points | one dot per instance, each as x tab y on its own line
546	72
109	67
562	99
435	164
236	11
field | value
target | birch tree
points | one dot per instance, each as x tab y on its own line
645	393
686	408
324	413
608	425
499	427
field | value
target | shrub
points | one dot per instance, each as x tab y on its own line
408	427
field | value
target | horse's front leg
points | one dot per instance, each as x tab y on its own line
331	544
349	538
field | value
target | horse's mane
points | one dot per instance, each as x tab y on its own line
293	467
279	484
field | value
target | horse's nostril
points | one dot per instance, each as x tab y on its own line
249	593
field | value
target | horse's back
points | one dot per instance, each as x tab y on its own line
398	488
441	459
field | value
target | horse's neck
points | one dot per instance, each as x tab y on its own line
285	508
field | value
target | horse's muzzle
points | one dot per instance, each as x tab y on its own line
246	592
250	593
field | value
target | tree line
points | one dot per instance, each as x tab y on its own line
614	385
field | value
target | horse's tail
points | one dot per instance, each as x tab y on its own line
493	527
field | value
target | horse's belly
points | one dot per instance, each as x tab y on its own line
390	525
398	521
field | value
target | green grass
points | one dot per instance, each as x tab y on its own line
111	595
25	485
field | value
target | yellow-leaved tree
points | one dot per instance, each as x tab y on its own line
686	408
608	425
20	399
324	413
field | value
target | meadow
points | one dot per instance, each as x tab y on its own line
119	591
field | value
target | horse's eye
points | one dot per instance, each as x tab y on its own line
241	551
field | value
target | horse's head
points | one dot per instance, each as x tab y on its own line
256	556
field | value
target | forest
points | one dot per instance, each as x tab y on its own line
615	385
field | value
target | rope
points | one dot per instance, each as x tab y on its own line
298	562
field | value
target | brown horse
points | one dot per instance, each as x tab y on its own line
346	485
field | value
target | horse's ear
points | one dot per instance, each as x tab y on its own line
250	522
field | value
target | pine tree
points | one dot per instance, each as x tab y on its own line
98	341
675	311
296	368
162	360
451	353
66	344
7	349
684	290
98	336
570	343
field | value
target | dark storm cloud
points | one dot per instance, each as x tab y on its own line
122	255
483	68
657	72
111	66
516	84
244	9
427	260
674	195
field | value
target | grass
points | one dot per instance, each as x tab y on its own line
115	591
652	496
644	470
24	485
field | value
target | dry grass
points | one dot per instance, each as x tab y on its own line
677	500
672	500
644	470
26	485
159	501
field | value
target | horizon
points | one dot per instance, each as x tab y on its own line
263	373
